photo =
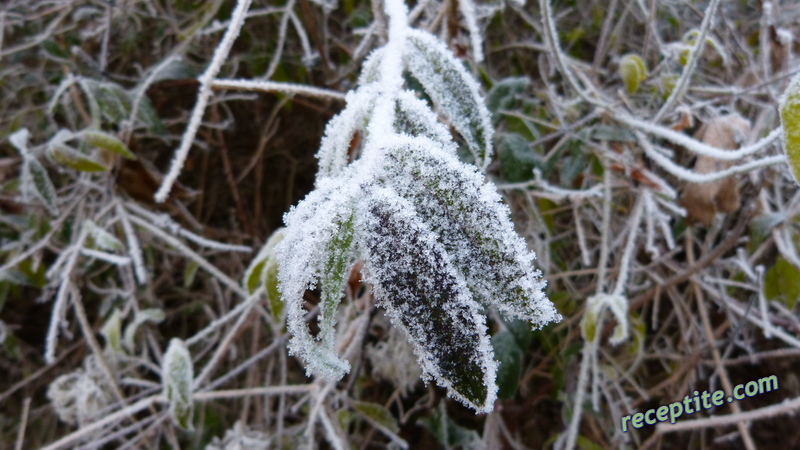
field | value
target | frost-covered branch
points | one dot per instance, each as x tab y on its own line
203	95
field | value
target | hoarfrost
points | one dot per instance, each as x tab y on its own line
436	239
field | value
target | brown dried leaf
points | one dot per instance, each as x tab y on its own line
703	201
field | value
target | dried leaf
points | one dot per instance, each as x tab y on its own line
703	201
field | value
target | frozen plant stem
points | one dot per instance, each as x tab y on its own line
203	94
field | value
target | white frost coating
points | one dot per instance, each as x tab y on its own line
333	152
701	148
414	117
595	304
177	377
472	223
204	93
390	231
454	91
467	8
436	238
310	227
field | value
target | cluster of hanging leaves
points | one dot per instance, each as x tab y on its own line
436	239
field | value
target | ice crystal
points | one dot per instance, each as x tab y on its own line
436	239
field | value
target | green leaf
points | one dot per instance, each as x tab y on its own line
336	268
632	71
782	282
189	274
177	376
263	270
509	354
414	281
106	142
378	414
517	158
790	119
112	332
54	49
74	159
454	91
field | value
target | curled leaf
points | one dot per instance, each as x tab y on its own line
632	71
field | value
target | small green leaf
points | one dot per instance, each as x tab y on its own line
632	71
377	414
55	49
106	142
177	376
790	119
189	274
273	294
74	159
112	332
782	282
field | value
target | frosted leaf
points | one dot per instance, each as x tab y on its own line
453	90
316	247
142	316
106	142
177	377
101	238
371	71
333	152
594	306
473	226
33	176
423	294
415	118
78	397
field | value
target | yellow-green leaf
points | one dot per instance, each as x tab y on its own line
75	160
633	71
107	142
790	118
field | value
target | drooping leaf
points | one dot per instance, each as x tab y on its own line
424	295
312	228
790	119
74	159
453	90
336	268
106	142
474	227
333	153
177	377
